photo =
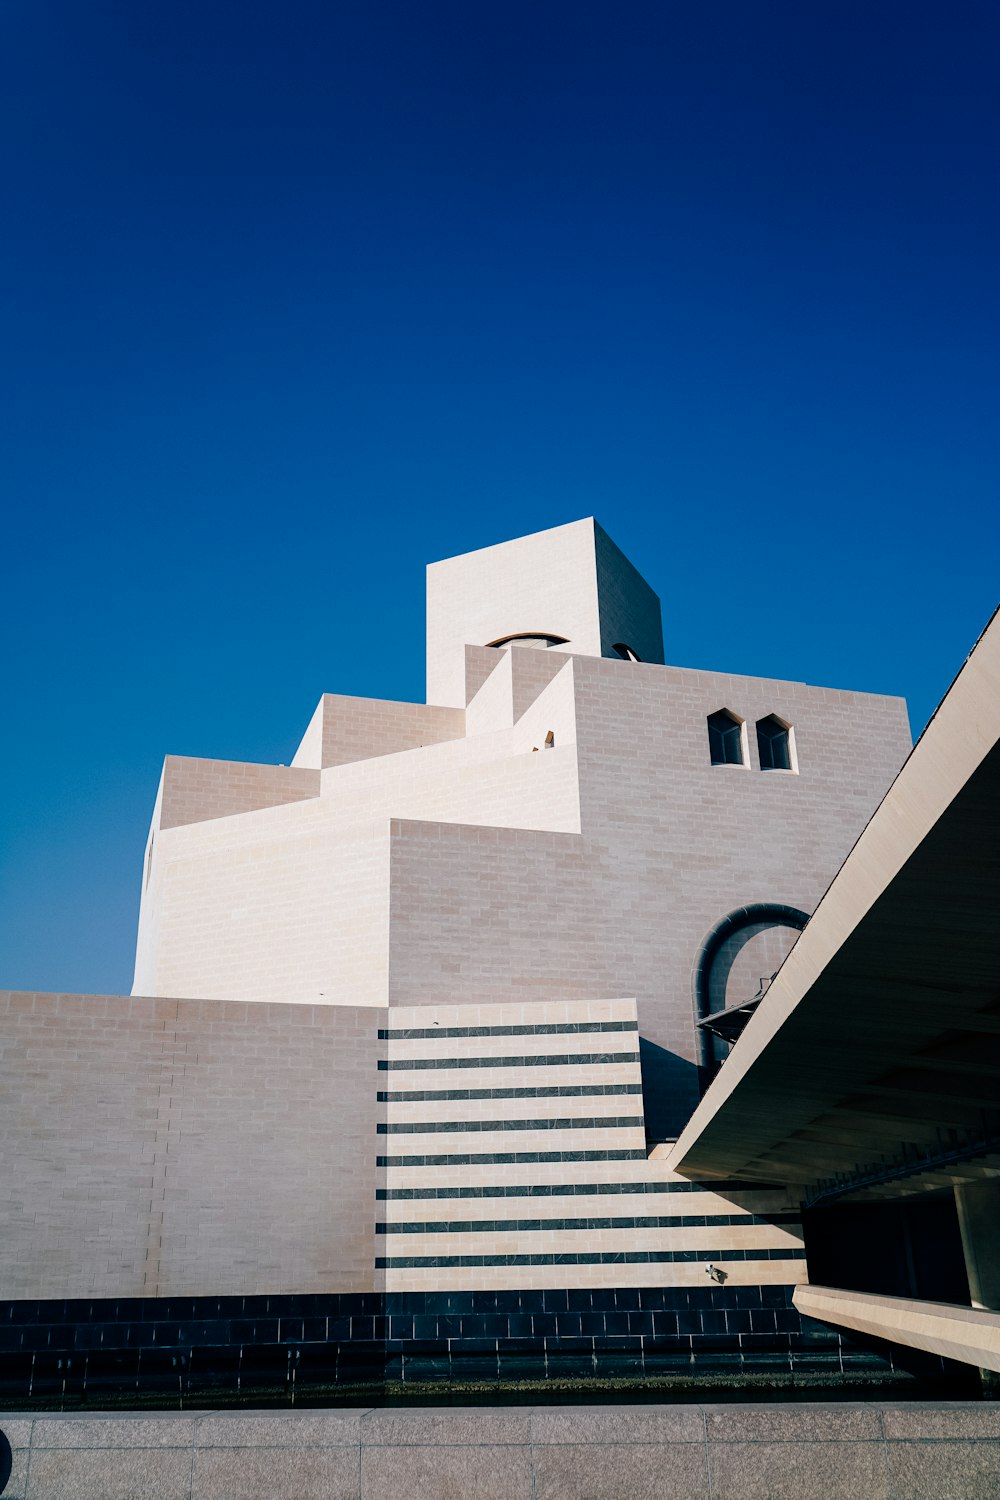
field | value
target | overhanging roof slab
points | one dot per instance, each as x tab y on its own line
901	954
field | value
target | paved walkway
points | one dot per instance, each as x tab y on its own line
876	1451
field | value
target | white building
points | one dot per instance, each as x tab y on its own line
417	1015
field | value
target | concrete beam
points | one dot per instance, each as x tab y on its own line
968	1334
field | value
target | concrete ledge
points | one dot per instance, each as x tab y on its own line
969	1334
881	1451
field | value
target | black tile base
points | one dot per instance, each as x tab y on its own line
282	1348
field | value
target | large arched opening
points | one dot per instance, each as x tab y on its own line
735	963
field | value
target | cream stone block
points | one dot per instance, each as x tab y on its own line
492	707
479	1142
310	751
530	694
533	1013
195	791
708	1239
514	1173
541	584
537	1076
576	1205
615	1274
351	729
502	1110
287	919
483	782
542	687
968	1334
142	1135
545	1044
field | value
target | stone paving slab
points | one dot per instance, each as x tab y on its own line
109	1473
614	1471
429	1427
817	1422
279	1429
17	1484
792	1451
618	1424
465	1473
17	1430
977	1419
306	1473
944	1470
793	1470
139	1431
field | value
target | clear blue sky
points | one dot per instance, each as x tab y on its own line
298	296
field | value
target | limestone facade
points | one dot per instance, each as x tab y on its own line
438	972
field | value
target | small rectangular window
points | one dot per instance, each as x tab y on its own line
773	744
725	739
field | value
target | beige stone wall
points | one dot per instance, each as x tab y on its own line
527	691
670	844
270	908
491	914
155	1147
161	1147
511	681
197	790
492	706
348	729
479	663
292	903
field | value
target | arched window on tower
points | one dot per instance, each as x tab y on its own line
625	652
774	743
537	638
725	739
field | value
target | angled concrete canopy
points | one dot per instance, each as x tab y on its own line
873	1062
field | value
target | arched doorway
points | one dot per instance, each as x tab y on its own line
756	936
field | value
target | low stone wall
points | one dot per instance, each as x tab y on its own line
877	1451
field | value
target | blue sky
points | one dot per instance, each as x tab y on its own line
297	297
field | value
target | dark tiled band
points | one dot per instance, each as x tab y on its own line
567	1189
585	1258
408	1064
421	1033
456	1127
542	1091
651	1221
506	1158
